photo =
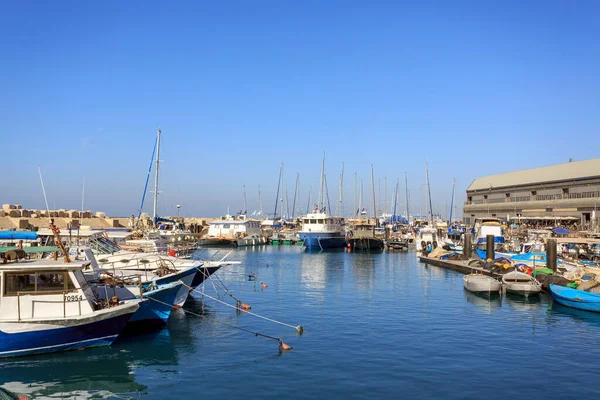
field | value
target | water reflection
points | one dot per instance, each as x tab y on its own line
580	316
522	303
363	268
82	374
484	302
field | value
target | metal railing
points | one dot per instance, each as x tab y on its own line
539	197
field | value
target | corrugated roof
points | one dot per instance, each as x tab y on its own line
553	173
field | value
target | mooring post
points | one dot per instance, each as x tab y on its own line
467	245
489	247
551	254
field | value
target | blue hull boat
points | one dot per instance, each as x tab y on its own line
575	298
323	241
27	338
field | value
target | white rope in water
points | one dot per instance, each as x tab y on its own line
298	328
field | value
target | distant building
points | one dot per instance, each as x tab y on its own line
563	192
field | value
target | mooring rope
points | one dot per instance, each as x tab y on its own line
298	328
221	322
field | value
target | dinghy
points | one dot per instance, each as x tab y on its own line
477	283
519	283
575	298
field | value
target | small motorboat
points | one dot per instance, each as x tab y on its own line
478	283
519	283
575	298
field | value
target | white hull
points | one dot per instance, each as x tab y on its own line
481	284
519	283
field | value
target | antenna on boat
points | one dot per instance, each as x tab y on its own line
154	216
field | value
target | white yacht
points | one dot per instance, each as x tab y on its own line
321	231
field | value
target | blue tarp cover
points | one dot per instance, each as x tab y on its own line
561	231
18	235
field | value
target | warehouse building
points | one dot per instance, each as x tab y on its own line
563	193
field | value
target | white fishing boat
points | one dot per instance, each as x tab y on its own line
233	231
478	283
47	306
519	283
321	231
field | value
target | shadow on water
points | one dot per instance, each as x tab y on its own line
588	317
522	303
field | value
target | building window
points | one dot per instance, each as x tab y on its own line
507	195
534	192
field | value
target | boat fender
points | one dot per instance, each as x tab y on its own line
435	244
423	245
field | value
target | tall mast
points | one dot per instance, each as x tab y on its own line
259	202
373	187
309	199
385	194
406	190
430	215
360	198
378	188
154	216
452	204
245	212
322	184
295	195
341	214
354	211
278	186
395	200
287	203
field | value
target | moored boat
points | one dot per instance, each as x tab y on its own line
519	283
47	306
478	283
575	298
362	238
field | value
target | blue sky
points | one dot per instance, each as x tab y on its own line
471	87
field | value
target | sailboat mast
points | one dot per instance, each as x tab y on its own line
287	203
452	203
406	193
360	199
295	196
395	200
245	212
430	215
278	187
154	216
373	188
322	184
354	208
259	202
309	199
385	194
341	214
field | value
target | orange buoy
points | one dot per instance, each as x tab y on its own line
245	306
263	285
284	347
172	253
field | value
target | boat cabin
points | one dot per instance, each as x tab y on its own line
233	228
321	222
44	289
363	231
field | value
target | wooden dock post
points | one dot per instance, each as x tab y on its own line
467	245
489	247
551	254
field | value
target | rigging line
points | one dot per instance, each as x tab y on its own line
220	322
298	328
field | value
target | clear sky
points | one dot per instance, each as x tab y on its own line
237	87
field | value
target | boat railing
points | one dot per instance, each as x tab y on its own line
64	301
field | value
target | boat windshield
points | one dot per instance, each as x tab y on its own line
101	245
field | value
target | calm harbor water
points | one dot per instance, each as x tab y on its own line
376	326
